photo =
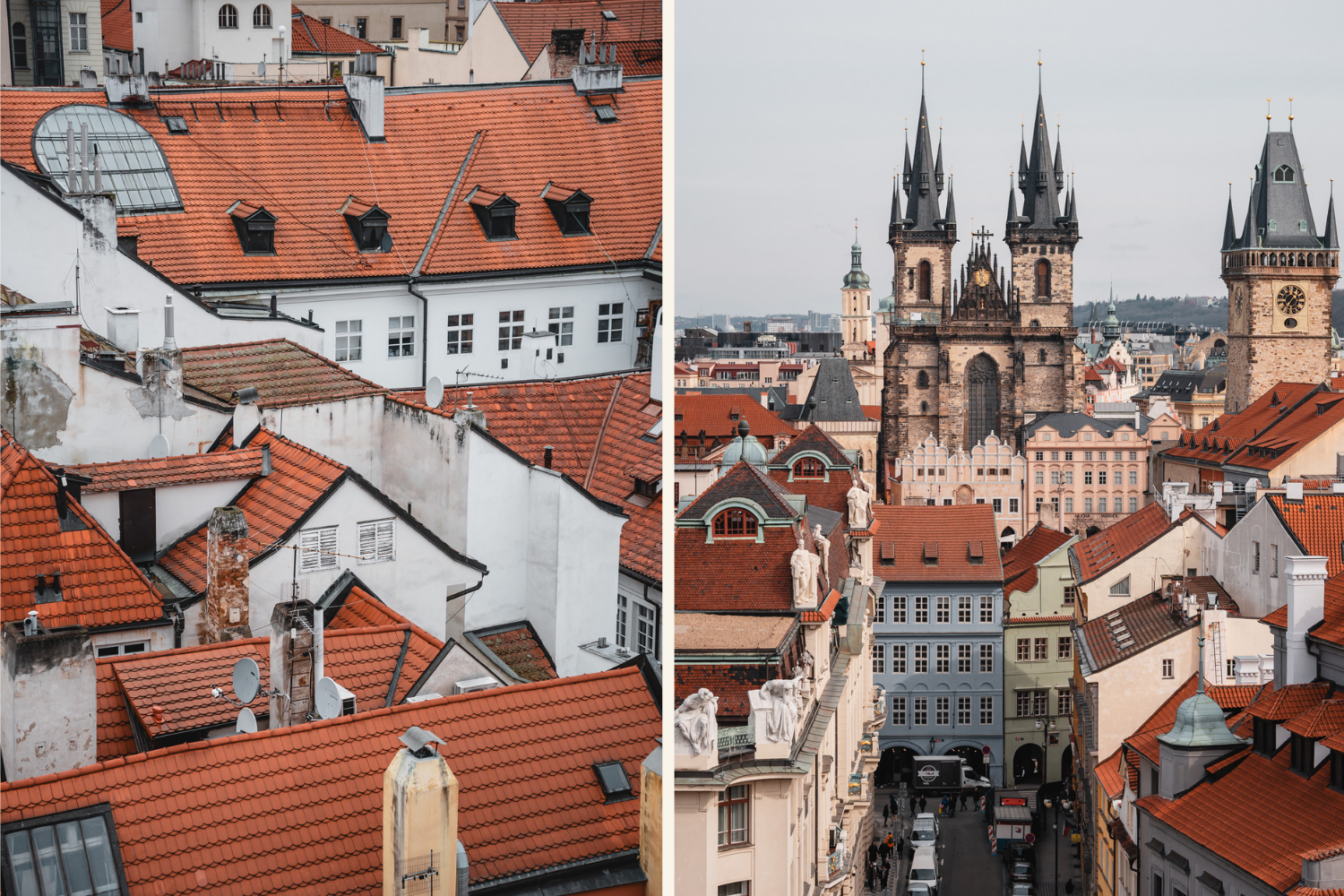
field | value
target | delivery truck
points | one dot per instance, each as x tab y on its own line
948	774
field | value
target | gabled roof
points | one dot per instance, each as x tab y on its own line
1019	564
283	372
1317	522
1067	423
599	428
1331	628
1286	702
1280	202
717	417
747	481
1214	444
1320	721
99	584
117	27
1229	699
163	472
952	532
519	137
1297	429
519	647
639	21
1111	546
296	810
309	35
814	438
1110	774
1134	627
833	396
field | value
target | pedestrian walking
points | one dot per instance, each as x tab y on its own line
886	870
872	852
923	804
961	802
1068	887
886	814
900	846
895	809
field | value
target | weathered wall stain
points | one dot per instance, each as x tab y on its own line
36	400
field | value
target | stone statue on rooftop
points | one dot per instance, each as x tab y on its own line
802	565
695	725
860	499
780	702
823	553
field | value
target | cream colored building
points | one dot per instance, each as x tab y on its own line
991	473
488	56
79	26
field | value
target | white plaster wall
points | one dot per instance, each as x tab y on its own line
457	666
1231	561
244	46
41	239
100	422
51	713
1180	549
178	509
168	32
92	57
160	637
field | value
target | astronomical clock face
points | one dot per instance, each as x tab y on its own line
1290	308
982	277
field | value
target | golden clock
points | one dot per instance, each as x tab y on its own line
1291	300
982	277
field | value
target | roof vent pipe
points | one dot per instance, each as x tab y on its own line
275	308
548	456
265	460
169	343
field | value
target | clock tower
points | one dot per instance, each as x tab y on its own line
1279	274
856	298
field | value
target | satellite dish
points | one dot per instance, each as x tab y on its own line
158	446
328	699
247	722
434	392
246	679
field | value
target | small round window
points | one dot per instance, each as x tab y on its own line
133	166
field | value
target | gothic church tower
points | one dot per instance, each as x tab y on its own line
1279	275
923	237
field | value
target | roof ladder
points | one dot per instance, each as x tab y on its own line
1219	669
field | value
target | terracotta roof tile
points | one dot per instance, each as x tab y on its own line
1019	564
735	575
713	415
1144	740
1317	522
526	135
283	372
824	612
311	796
1322	720
521	650
1292	432
115	737
1288	701
597	428
1265	837
100	586
168	471
273	505
1134	627
637	21
1110	546
117	28
832	495
814	438
1110	775
179	681
309	35
744	480
908	533
729	683
1215	444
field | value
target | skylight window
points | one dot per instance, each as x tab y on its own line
133	165
74	852
605	113
608	15
176	124
615	784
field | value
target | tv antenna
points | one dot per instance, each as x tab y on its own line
457	382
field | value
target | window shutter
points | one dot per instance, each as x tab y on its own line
377	541
309	541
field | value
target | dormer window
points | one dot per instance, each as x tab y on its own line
368	225
809	468
496	212
256	228
734	523
571	208
1303	756
1284	175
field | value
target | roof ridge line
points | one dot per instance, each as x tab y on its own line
178	651
447	205
367	629
601	434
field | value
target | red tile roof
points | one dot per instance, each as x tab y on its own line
1111	546
273	505
117	27
1215	444
179	682
737	575
114	734
744	480
1144	740
521	650
639	21
1143	622
364	661
1288	701
309	35
1320	721
1293	431
296	810
283	372
1019	564
713	414
1264	837
1111	776
100	586
728	682
169	471
596	426
1317	522
908	533
520	137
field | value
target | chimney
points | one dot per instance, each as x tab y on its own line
296	661
420	847
565	46
1306	607
226	577
128	89
123	327
547	456
597	70
88	78
48	698
366	94
470	414
169	325
246	415
651	820
1293	491
161	374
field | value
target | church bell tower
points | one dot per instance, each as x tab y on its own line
856	297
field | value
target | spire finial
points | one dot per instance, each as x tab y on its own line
1269	111
1290	113
921	73
1039	64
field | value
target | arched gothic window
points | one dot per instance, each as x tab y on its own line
261	16
735	523
20	44
1284	175
1042	278
228	16
925	282
922	381
982	398
809	468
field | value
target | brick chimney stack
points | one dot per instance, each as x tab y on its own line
48	699
296	661
420	795
226	577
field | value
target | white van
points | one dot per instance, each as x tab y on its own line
924	869
924	830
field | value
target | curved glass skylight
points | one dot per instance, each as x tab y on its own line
133	165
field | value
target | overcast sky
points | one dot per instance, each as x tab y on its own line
790	118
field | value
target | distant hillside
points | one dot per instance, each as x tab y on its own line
1184	311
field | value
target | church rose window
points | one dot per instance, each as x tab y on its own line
732	523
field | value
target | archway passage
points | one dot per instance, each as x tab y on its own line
1029	765
982	398
1066	764
896	765
974	757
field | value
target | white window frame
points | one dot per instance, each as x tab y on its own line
986	710
879	659
401	336
880	614
964	614
921	659
1168	668
562	324
987	659
378	541
611	322
130	648
1120	588
79	32
987	609
349	340
898	659
898	716
963	710
460	339
317	549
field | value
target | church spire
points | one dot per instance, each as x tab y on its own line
950	216
922	187
1041	188
1248	238
1331	238
938	166
1059	163
897	222
1230	228
1012	206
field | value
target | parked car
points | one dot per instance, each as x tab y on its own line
1021	872
1018	889
924	830
924	868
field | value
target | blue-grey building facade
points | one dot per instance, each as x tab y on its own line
938	652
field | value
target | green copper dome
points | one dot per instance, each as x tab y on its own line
887	305
856	278
1199	721
744	447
